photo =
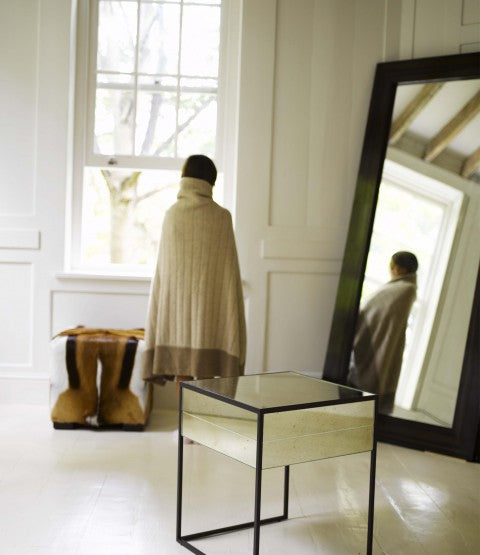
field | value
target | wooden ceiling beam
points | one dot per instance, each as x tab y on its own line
452	128
471	164
414	107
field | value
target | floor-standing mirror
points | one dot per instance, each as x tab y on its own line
418	190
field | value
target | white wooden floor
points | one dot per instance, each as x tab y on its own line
82	492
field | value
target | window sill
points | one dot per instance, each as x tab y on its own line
102	276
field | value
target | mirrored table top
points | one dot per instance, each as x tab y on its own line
273	391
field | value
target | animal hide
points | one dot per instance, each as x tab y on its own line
96	379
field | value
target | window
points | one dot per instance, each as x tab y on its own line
151	89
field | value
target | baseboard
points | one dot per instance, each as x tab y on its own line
165	396
24	390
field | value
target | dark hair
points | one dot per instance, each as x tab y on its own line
201	167
406	260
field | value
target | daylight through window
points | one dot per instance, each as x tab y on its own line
151	100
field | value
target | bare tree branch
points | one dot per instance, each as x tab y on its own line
132	40
181	127
152	123
107	176
148	195
129	182
147	33
156	98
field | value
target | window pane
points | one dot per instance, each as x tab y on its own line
156	117
200	40
123	227
114	115
159	33
197	124
117	36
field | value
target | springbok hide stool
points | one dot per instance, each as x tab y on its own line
96	379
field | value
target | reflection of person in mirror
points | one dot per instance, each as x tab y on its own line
196	322
380	335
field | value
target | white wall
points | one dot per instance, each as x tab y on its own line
307	71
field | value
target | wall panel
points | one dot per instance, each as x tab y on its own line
300	307
291	121
446	27
16	308
330	111
14	238
471	12
18	90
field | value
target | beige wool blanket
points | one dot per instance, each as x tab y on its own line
380	339
196	322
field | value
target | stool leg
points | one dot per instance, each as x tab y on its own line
286	483
118	405
371	498
258	486
80	401
180	468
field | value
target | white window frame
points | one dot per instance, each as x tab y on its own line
84	105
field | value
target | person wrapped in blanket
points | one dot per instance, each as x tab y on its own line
379	340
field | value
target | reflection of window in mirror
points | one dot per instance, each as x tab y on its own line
419	214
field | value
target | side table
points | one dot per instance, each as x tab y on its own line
273	420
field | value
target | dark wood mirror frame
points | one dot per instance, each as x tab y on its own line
462	439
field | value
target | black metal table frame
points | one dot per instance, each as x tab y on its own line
257	521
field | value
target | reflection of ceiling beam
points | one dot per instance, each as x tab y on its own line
471	164
452	128
414	107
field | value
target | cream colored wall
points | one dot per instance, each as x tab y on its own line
307	96
306	74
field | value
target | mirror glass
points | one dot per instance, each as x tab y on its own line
429	205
